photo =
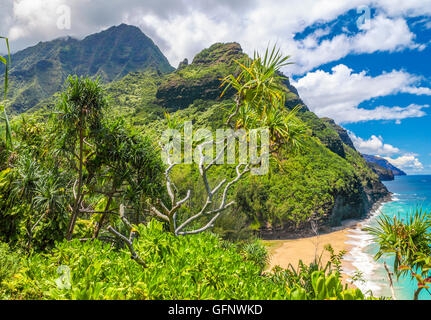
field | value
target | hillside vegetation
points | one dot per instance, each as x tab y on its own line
40	71
329	181
90	211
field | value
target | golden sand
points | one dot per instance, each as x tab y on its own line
285	252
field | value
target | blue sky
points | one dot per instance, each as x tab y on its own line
406	142
364	63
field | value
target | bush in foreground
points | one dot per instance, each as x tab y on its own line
194	267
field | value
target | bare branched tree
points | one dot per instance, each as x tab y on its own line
128	241
209	208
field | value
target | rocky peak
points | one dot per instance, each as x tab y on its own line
219	53
183	64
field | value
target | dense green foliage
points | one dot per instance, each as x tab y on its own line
194	267
296	188
76	160
9	262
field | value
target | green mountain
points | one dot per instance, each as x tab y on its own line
39	71
328	182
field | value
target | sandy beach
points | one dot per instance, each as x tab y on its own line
285	252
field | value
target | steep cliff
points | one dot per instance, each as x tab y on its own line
200	79
330	181
383	173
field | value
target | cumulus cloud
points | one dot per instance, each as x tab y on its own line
337	94
184	27
407	162
385	34
373	146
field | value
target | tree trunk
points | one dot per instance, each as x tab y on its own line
391	284
75	209
416	296
102	218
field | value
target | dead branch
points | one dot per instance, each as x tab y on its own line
128	241
170	215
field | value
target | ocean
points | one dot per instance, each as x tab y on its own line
409	192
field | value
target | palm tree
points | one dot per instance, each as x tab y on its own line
260	100
409	242
27	175
48	201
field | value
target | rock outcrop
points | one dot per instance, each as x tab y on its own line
200	79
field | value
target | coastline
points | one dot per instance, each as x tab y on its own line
284	252
290	251
308	233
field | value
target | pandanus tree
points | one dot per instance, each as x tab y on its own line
259	102
128	165
113	163
408	241
80	111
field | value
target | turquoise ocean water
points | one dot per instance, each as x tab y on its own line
409	192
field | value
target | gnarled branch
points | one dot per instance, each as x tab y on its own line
128	241
170	215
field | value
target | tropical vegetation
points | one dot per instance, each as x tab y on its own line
89	209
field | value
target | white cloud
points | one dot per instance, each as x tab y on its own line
184	27
29	16
417	91
407	162
374	145
338	94
385	34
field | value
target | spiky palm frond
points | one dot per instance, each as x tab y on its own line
403	238
258	83
260	99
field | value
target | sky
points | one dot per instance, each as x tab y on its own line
364	63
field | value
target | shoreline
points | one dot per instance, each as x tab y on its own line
286	251
308	233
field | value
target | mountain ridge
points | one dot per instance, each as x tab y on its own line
330	181
384	164
39	71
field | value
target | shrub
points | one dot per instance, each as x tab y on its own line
194	267
9	262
